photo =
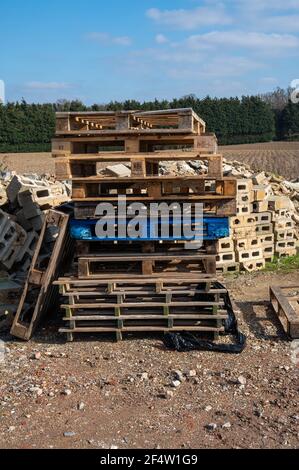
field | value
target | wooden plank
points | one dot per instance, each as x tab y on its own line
141	329
146	317
141	304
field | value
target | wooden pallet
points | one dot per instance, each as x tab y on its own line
285	302
39	295
154	188
142	164
142	305
138	286
212	206
72	145
90	267
129	122
208	229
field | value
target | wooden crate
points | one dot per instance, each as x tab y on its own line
285	302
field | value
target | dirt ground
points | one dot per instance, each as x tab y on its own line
280	157
96	393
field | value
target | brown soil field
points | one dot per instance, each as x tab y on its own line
95	393
281	158
277	157
40	163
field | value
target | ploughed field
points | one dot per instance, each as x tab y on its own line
281	158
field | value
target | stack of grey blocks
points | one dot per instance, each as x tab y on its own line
22	218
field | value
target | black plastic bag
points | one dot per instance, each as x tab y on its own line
186	341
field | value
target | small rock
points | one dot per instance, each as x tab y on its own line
191	373
36	390
242	380
211	426
227	425
178	375
166	395
144	376
175	383
36	356
69	434
208	408
81	406
11	428
113	447
67	392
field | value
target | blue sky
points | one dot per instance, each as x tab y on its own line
99	51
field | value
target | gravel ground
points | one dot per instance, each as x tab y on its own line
95	393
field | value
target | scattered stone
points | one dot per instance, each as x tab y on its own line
36	356
242	380
211	426
208	408
36	390
67	392
144	376
69	434
175	383
227	425
81	406
191	373
178	375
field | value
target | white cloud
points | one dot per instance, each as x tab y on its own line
107	39
242	39
190	19
217	68
161	39
47	85
286	23
269	4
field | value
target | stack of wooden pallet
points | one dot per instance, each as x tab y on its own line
149	284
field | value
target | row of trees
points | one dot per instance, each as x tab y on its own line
30	127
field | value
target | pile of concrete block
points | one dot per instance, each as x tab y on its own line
24	202
264	228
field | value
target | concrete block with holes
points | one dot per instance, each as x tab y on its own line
225	245
263	229
226	268
261	192
244	209
242	221
266	240
284	234
248	255
263	218
283	224
247	243
244	232
254	265
260	206
222	258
